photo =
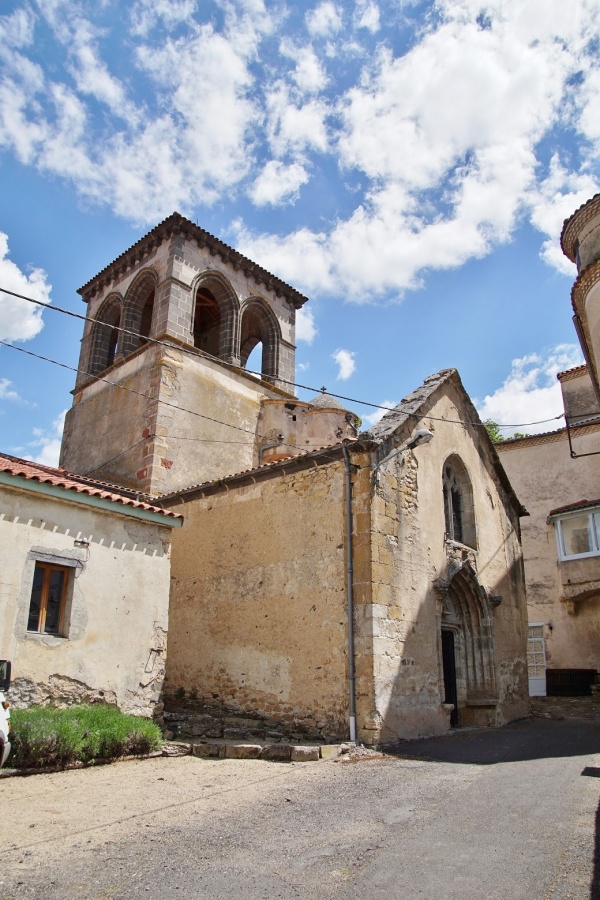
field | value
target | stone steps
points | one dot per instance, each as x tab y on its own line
270	752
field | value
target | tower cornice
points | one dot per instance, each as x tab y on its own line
177	224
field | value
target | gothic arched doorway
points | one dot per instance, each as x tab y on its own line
467	659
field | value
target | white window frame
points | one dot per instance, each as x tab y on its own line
593	515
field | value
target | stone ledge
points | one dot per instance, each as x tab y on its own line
270	752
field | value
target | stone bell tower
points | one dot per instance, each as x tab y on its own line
159	417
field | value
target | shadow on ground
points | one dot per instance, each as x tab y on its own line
528	739
595	885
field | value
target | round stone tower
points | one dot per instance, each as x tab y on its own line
580	242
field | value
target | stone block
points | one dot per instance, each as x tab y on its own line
176	748
304	754
243	751
206	751
276	753
329	751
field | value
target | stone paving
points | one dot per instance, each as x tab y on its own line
566	707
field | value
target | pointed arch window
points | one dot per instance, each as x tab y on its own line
459	512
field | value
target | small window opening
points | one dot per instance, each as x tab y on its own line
48	598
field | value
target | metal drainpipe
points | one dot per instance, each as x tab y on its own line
262	449
350	595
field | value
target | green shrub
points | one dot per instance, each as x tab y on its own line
43	736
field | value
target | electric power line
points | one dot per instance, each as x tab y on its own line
191	351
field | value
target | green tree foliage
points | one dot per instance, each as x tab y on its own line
493	430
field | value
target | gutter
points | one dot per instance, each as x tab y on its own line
350	596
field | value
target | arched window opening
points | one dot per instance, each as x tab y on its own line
207	322
138	312
259	335
105	336
146	318
459	513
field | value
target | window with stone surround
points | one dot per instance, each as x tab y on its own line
48	600
578	534
459	512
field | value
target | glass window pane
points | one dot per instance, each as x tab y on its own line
55	592
33	622
577	536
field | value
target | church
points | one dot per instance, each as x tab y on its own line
343	584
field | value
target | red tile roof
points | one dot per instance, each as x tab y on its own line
31	471
572	507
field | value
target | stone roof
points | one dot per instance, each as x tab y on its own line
414	406
326	401
30	471
178	224
409	407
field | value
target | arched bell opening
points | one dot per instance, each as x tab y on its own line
259	331
215	320
138	312
106	336
207	322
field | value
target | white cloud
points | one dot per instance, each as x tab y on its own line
373	418
531	393
554	200
6	392
448	180
367	15
308	75
147	14
306	330
165	152
47	442
291	128
278	183
324	20
19	320
346	360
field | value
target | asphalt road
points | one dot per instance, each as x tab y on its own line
505	813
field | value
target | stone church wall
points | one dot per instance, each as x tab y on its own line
258	603
410	554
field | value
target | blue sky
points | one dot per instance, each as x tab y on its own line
407	165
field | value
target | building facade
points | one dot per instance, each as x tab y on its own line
419	549
84	593
557	476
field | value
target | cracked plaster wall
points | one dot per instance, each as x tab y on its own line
114	643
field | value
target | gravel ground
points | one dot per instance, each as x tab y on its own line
501	813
